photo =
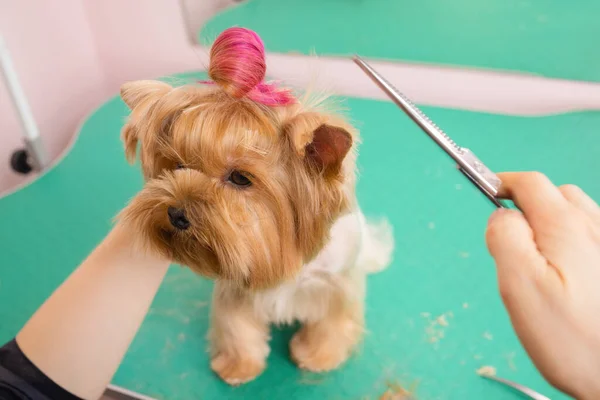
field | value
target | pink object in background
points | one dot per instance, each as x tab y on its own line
71	54
53	53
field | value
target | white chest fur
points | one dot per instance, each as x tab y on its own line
354	249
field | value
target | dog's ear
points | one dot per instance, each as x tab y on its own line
323	144
130	137
328	147
138	92
139	97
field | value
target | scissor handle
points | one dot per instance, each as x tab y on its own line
496	201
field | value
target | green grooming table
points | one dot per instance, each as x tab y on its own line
552	38
441	266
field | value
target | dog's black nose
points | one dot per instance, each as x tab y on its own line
177	218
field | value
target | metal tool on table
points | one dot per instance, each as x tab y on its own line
518	387
480	175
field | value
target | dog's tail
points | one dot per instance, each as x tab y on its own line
377	245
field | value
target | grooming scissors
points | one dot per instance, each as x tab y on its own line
480	175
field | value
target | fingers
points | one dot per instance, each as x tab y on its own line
534	194
539	199
511	243
581	200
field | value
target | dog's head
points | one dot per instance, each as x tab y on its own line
236	187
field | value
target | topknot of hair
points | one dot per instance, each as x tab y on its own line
238	66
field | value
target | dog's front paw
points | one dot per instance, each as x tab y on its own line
236	370
318	353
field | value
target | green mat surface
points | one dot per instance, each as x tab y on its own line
553	38
441	265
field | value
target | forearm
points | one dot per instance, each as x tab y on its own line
81	333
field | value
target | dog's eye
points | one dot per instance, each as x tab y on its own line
180	166
239	178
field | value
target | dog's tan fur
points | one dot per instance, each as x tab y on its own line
256	241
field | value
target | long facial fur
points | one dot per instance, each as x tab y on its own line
255	236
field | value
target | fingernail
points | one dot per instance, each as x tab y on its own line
496	214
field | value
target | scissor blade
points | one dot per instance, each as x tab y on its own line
411	110
483	178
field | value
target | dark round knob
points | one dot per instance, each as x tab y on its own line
19	161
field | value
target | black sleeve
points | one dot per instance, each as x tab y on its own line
21	380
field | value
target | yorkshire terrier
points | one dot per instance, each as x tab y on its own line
251	186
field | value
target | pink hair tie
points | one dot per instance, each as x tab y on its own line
237	65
